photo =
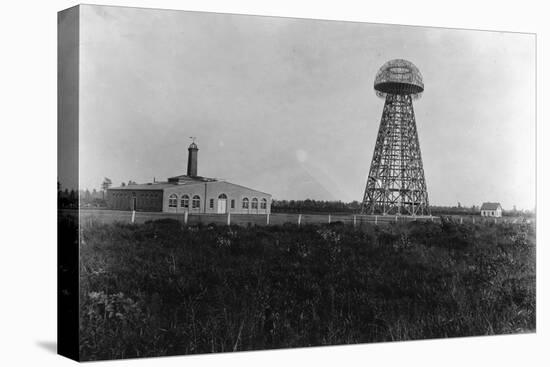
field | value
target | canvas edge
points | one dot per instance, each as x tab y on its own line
68	32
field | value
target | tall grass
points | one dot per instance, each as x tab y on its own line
160	289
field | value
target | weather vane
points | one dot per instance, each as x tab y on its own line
193	138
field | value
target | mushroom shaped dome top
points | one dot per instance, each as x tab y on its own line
398	77
193	146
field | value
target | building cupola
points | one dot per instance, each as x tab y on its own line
192	159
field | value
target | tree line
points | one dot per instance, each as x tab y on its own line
354	207
70	199
314	206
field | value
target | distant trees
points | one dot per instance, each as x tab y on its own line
323	206
515	212
93	198
87	196
354	207
314	206
454	210
72	198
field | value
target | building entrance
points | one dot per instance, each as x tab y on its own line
222	204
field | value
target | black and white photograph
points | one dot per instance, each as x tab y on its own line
249	183
274	183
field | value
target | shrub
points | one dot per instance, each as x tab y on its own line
160	289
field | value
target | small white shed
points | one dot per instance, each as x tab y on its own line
491	210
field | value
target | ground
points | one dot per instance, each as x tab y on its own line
162	289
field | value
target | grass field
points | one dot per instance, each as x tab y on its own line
160	289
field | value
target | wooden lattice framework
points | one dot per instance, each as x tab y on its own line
396	183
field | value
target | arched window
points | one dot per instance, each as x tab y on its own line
263	204
196	202
245	203
222	196
173	201
255	203
184	203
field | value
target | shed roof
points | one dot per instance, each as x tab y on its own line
490	206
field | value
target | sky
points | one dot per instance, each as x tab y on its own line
287	106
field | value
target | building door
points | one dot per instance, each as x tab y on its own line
133	205
222	204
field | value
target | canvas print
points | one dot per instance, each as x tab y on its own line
236	182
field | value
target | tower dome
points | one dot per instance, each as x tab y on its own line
399	76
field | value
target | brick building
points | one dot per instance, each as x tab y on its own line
191	193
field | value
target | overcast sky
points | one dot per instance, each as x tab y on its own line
287	106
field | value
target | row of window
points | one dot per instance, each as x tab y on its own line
184	202
254	203
196	202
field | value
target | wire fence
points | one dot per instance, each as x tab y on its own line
104	216
89	216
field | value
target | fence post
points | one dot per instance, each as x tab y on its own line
133	216
376	219
267	220
299	219
396	219
460	220
495	221
185	217
354	221
228	218
474	220
329	219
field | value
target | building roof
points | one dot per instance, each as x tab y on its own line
146	186
173	182
490	206
178	182
161	185
248	188
191	179
176	186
